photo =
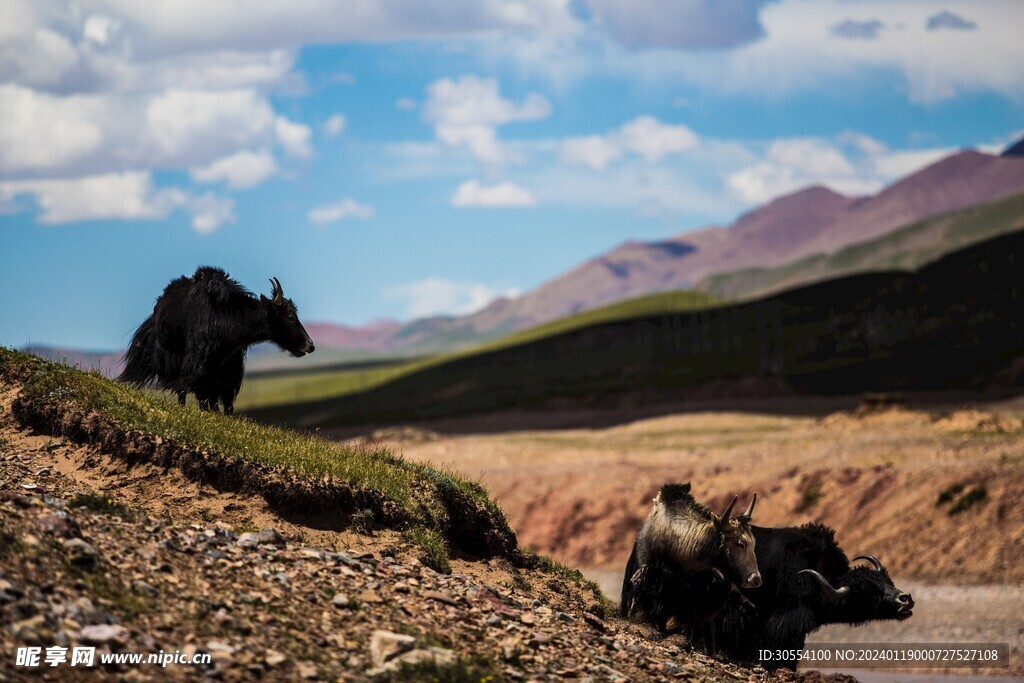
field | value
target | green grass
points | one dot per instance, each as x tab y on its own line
908	248
416	488
283	389
434	547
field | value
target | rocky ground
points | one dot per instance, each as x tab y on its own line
88	563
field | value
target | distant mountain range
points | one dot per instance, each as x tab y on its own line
811	223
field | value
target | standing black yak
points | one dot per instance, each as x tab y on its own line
808	583
200	329
685	561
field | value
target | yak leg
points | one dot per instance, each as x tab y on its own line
181	397
230	380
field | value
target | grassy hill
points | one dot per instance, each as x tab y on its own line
291	471
908	248
262	391
956	323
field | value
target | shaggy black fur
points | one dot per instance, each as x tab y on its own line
196	339
789	605
657	589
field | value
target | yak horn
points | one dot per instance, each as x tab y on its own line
728	510
750	510
872	560
826	586
276	292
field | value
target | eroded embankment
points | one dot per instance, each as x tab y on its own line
69	404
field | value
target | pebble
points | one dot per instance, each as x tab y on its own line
103	634
386	645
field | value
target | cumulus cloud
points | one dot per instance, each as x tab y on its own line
644	136
405	103
340	210
116	196
472	194
294	137
466	113
948	20
241	170
680	23
209	212
852	164
438	296
859	30
334	125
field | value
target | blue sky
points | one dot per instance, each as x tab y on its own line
394	158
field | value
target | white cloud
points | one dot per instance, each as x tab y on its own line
644	136
467	111
406	103
334	125
240	170
340	210
438	296
592	151
294	137
472	194
128	195
209	212
853	164
653	140
40	131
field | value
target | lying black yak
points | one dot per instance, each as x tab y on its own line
808	582
685	561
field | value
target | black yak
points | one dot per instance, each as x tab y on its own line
195	340
808	583
685	561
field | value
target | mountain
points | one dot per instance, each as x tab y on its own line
1015	150
812	221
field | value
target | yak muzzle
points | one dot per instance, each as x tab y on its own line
906	609
753	581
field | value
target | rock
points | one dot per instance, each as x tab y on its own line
369	595
340	600
273	658
29	630
595	621
306	670
143	588
81	553
103	634
268	536
440	597
527	618
434	655
385	646
59	524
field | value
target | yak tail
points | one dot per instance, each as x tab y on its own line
138	361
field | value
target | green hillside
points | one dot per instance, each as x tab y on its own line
905	249
953	325
291	471
341	380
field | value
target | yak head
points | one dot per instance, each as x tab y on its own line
738	545
285	329
862	594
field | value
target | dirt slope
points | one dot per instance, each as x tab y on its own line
136	558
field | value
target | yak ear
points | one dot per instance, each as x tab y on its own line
264	299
